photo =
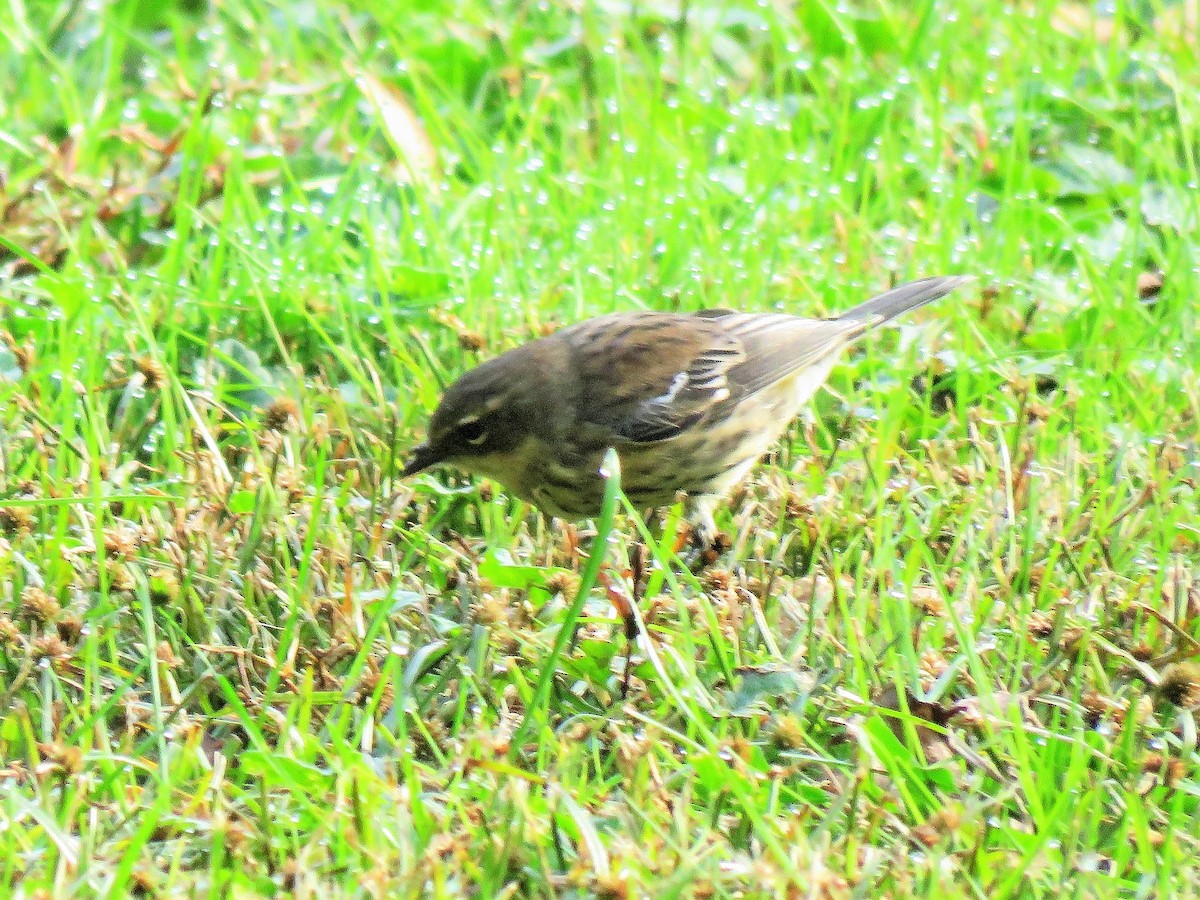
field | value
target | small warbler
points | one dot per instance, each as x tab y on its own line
689	402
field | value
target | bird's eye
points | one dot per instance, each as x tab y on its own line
473	432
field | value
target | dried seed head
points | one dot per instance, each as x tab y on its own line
613	886
152	371
16	520
1181	684
565	583
1172	769
629	750
471	341
68	758
39	606
1040	624
52	648
121	542
1072	639
943	822
718	580
164	588
144	882
10	634
797	506
1142	651
24	354
1037	411
928	600
290	875
119	577
70	628
1149	284
660	606
927	835
280	413
932	665
1098	708
788	733
166	655
490	610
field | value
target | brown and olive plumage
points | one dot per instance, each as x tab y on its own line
689	402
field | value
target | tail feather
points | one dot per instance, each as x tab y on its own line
901	299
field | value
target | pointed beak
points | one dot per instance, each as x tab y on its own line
423	457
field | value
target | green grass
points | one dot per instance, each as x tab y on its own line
241	657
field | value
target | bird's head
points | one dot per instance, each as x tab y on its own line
484	418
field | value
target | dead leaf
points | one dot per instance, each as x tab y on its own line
934	743
417	155
622	602
1149	284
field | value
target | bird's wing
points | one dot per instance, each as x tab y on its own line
776	346
649	376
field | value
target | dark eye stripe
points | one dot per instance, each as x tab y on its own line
473	431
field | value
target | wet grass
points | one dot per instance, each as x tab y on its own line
244	245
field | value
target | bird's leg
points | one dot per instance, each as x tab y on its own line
623	603
706	540
704	527
637	566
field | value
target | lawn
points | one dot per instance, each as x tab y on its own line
952	650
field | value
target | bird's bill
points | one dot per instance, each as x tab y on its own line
423	458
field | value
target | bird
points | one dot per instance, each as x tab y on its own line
689	401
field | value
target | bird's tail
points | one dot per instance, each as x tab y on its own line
901	299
